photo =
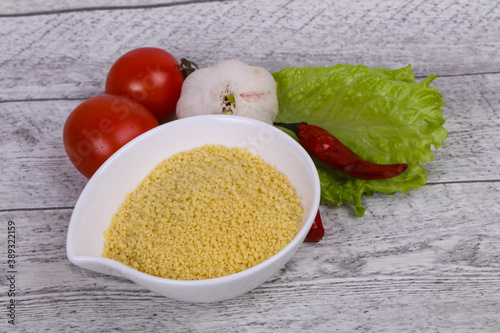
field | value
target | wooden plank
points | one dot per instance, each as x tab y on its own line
402	267
473	120
445	37
36	172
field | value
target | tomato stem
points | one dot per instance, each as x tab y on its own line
187	67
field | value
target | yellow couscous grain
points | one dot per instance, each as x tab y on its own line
204	213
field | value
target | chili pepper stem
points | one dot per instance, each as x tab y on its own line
294	127
187	67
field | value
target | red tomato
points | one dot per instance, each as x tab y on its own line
100	126
150	76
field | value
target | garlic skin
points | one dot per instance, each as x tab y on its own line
230	87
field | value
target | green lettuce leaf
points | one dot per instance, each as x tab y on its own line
383	115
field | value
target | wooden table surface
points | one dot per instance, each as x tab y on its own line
428	261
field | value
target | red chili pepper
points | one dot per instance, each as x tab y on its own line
317	231
334	153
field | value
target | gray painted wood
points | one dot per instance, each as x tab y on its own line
428	261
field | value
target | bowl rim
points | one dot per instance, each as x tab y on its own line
133	274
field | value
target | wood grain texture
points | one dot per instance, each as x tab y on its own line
36	172
397	268
428	261
76	49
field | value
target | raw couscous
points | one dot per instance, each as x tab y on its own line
204	213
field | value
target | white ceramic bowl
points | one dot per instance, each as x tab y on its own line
121	173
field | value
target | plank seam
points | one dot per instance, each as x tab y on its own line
102	8
10	210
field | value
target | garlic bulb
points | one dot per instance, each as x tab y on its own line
230	87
